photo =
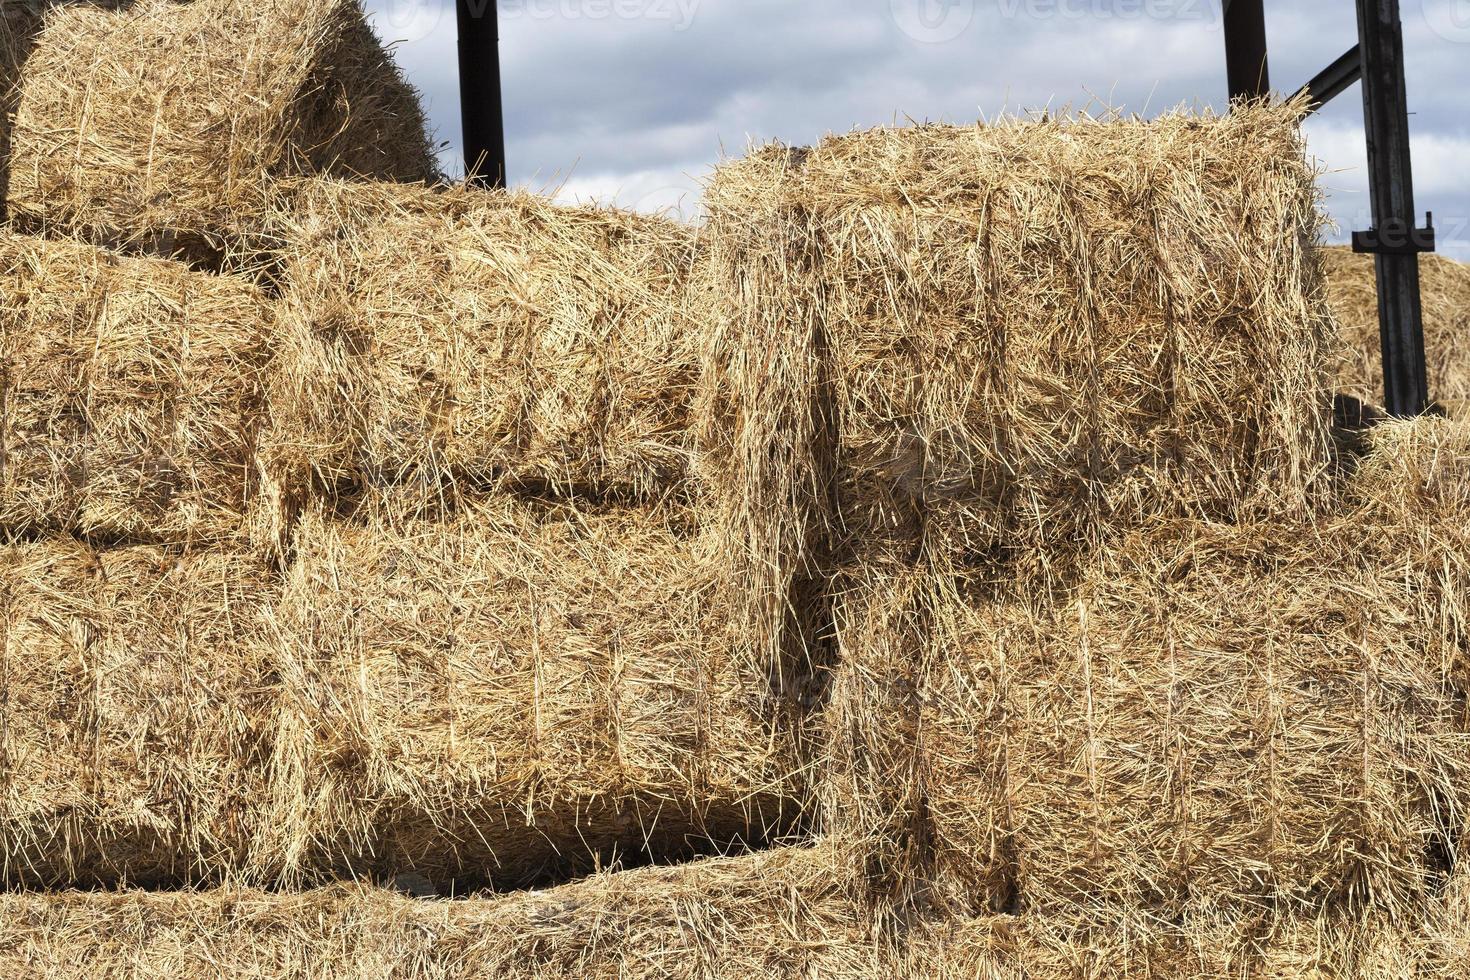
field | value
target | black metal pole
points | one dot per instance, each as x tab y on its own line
479	92
1394	240
1246	68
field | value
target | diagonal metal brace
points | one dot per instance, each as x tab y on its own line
1333	80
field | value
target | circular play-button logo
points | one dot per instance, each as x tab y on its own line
933	21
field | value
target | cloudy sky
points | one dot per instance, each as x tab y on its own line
633	101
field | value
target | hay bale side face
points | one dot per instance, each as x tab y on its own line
480	338
164	123
130	395
769	915
511	693
766	915
1214	721
132	748
1353	294
1026	334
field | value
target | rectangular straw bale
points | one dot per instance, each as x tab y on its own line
515	693
769	915
481	337
165	123
131	745
1352	291
1276	947
1014	337
130	394
1219	718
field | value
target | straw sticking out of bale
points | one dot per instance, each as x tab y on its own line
480	338
130	739
514	694
130	395
1445	291
165	122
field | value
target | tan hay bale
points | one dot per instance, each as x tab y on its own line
1031	947
130	394
165	122
514	694
479	337
768	915
130	738
774	915
1219	719
1013	337
1445	290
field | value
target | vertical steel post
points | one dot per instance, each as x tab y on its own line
479	92
1394	240
1246	68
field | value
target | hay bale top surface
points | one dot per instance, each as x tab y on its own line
154	118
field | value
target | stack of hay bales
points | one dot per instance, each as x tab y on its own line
162	124
506	633
491	641
1046	407
976	482
396	567
1007	340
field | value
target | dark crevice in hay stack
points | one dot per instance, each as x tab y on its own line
161	126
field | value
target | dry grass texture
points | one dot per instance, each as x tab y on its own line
774	915
1445	290
130	394
514	694
165	122
130	711
462	336
1219	719
1017	335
